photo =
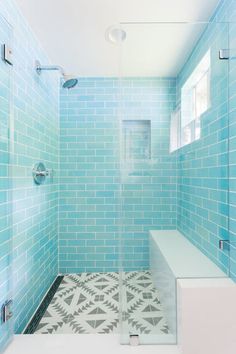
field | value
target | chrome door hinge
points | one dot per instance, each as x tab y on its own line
7	54
6	311
224	245
224	54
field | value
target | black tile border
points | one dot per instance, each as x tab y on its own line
33	324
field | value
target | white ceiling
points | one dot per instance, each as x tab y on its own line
73	34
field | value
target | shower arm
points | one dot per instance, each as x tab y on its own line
40	68
69	81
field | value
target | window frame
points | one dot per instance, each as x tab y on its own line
175	130
194	123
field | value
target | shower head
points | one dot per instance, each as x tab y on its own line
69	81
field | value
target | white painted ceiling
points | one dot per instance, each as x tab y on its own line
73	34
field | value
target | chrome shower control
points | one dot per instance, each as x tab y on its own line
39	173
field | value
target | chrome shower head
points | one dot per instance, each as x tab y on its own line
69	81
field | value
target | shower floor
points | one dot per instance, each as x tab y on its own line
89	303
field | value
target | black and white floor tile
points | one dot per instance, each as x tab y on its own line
142	311
89	303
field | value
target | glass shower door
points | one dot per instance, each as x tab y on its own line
148	178
6	324
174	163
232	146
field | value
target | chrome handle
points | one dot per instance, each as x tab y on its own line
41	173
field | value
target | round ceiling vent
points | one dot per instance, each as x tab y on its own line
115	34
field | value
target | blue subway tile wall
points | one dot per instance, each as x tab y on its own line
92	201
34	208
206	198
5	187
89	183
203	164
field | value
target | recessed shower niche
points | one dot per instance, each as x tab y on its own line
136	139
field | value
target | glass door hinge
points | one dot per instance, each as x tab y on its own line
6	311
224	54
7	54
224	245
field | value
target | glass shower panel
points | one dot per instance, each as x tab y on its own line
232	146
170	70
6	330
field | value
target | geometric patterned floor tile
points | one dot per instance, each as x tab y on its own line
142	312
89	303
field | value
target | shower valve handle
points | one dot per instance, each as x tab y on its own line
41	173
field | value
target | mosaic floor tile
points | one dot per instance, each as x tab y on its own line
89	303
